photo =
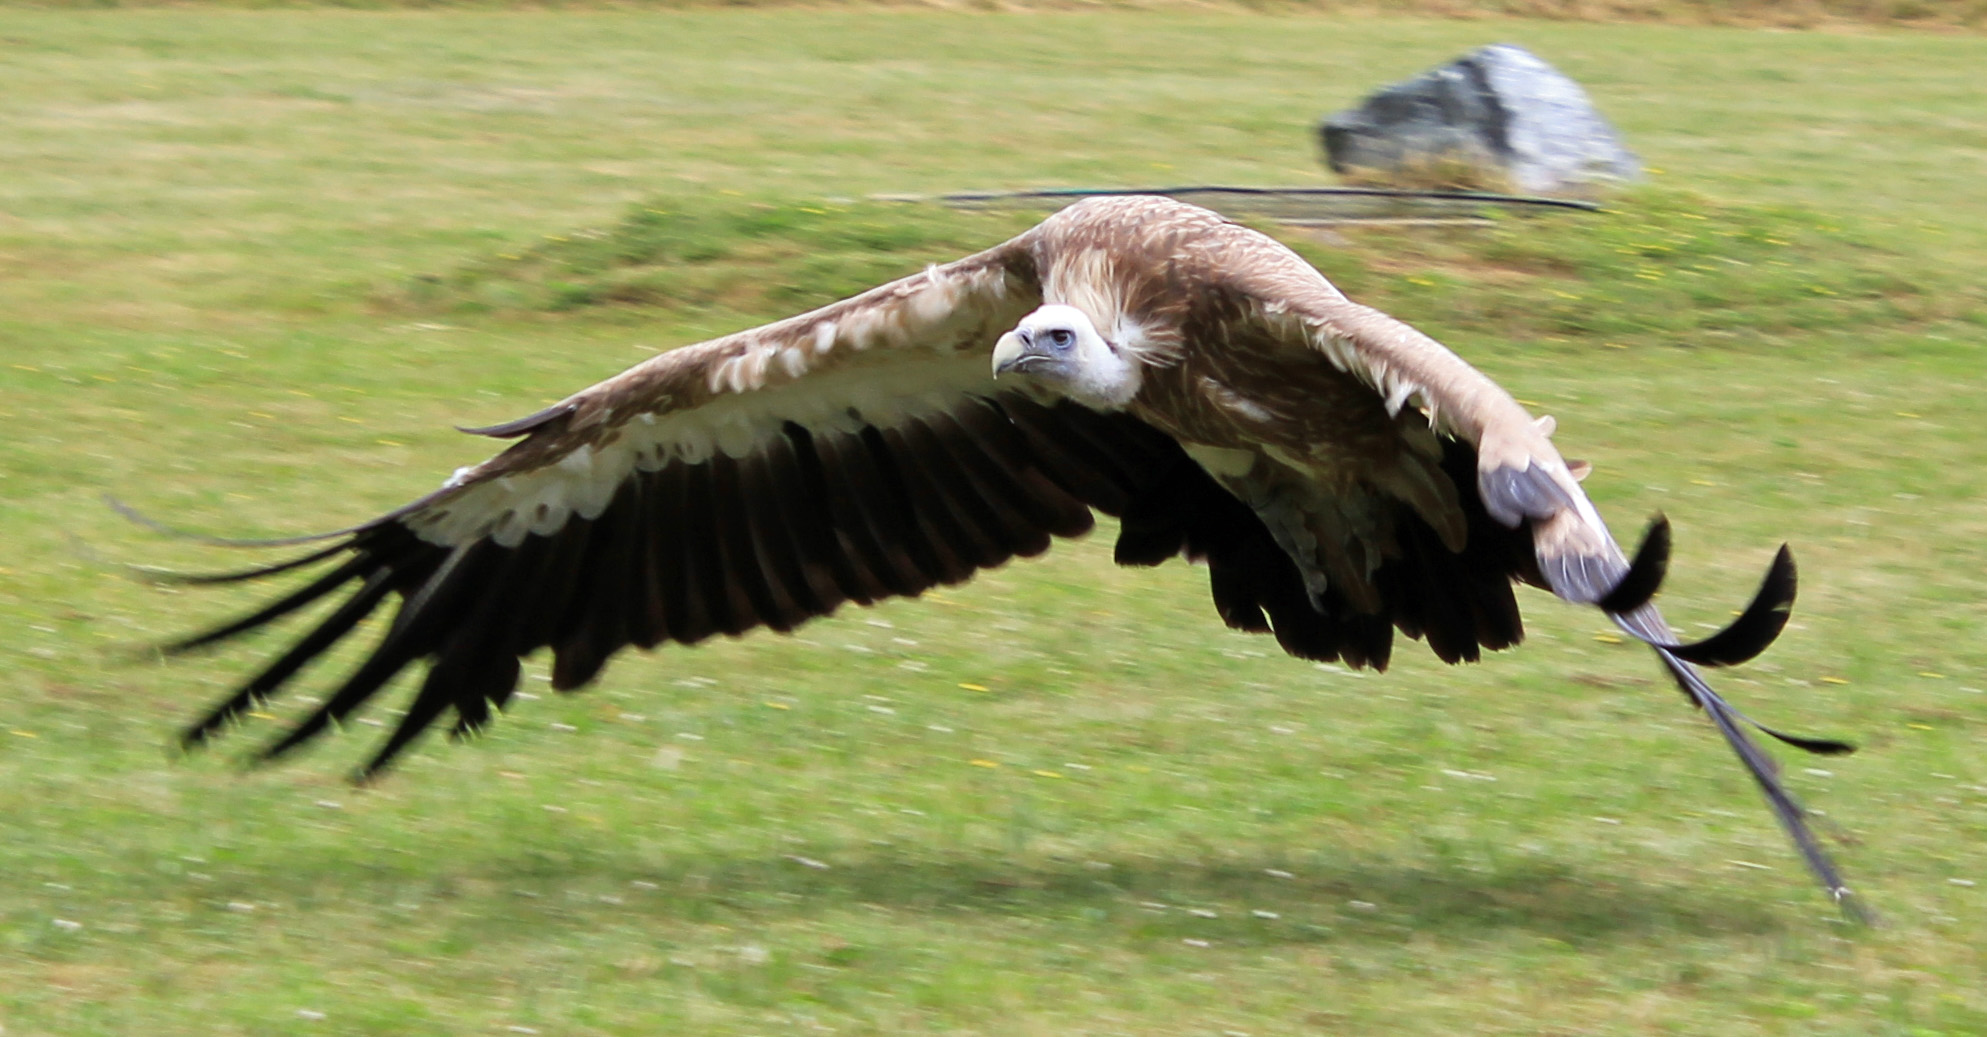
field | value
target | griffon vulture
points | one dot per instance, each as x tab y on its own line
1340	474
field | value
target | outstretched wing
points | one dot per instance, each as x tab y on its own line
1522	483
854	453
848	454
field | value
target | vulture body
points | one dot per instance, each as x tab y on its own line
1341	475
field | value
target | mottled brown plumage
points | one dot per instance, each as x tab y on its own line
1342	476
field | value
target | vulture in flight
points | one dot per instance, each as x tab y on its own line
1341	475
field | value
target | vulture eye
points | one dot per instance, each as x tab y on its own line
1061	338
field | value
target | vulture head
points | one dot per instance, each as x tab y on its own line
1061	345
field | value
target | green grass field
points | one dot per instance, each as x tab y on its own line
254	265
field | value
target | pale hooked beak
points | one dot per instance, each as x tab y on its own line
1009	352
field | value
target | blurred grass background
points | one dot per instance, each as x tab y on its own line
254	264
1802	14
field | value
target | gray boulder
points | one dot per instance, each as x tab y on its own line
1498	112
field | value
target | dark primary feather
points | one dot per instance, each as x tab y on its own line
1740	641
1756	628
283	606
1645	572
257	572
1645	624
815	519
